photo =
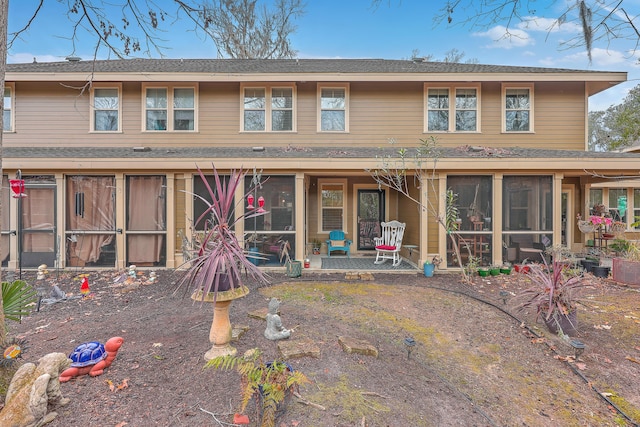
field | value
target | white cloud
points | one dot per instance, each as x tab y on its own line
22	58
504	38
604	58
547	25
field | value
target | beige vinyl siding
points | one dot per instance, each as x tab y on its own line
378	111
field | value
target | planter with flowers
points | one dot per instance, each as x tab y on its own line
219	266
595	223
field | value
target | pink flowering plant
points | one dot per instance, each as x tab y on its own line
594	222
600	220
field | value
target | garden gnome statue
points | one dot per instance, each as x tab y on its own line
132	271
275	330
42	272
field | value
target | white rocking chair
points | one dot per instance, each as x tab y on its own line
388	245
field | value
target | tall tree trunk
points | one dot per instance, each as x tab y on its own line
4	12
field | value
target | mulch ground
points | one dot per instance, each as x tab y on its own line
475	362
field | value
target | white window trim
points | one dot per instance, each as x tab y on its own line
503	110
12	123
452	106
346	88
170	110
92	118
268	91
343	183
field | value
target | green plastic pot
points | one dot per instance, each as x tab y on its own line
483	273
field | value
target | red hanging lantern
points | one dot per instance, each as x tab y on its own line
261	205
17	186
250	200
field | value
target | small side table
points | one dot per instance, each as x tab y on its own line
410	248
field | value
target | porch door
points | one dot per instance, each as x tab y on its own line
38	225
370	214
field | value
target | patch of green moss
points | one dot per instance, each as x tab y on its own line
350	402
625	406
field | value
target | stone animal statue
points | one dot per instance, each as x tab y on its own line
92	358
33	390
275	330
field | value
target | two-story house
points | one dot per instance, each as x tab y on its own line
108	152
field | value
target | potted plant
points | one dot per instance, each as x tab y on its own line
505	269
215	273
317	244
271	384
483	271
428	268
494	270
554	294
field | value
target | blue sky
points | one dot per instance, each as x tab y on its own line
353	29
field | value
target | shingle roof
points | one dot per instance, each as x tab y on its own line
299	152
274	66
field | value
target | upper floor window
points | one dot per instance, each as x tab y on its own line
170	108
438	110
268	109
7	112
332	205
106	109
445	116
518	108
334	109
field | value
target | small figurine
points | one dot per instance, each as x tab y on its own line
275	330
152	278
13	350
92	358
84	287
132	271
42	272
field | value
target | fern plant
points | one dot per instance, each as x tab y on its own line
16	298
269	383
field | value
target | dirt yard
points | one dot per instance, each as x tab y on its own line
474	364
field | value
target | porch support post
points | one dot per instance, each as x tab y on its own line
170	200
300	215
439	235
497	219
120	219
557	210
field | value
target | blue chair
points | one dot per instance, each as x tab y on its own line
338	242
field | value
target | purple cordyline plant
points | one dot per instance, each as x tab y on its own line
554	292
220	261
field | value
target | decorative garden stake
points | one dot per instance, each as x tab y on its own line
409	343
504	295
578	347
92	358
